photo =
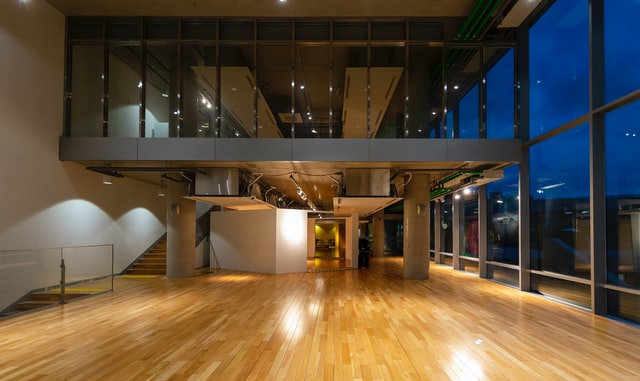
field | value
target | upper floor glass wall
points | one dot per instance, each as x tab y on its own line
278	78
559	66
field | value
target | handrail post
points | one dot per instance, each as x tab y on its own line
62	280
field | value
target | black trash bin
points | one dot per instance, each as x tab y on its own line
364	252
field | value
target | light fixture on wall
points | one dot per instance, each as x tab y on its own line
106	180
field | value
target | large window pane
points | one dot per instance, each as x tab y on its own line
623	195
237	91
622	52
559	66
560	193
425	92
313	91
502	218
87	90
351	89
387	91
470	204
463	75
275	108
125	85
199	91
500	96
161	97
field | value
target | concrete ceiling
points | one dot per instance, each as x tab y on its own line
266	8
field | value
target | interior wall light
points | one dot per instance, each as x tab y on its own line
106	180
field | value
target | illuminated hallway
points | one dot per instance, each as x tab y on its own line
341	325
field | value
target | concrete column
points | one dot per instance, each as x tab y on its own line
437	232
416	227
181	232
378	234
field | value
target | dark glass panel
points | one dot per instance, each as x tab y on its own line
570	292
504	275
85	29
388	31
236	30
165	29
312	30
559	66
502	218
622	55
623	195
424	92
560	196
350	31
123	29
387	87
425	31
276	86
237	91
463	92
312	95
623	305
161	91
500	101
280	30
204	29
446	225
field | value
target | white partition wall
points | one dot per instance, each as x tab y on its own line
268	241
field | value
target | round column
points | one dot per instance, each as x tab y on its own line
416	227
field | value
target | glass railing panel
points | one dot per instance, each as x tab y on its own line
24	271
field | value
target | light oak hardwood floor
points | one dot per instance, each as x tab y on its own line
367	324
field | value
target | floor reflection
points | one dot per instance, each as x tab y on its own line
328	264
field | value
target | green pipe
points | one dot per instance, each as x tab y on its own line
479	21
472	15
486	18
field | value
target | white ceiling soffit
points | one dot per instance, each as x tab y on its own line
237	85
384	81
364	206
234	202
518	13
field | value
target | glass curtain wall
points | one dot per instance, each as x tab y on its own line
288	78
500	93
559	165
622	188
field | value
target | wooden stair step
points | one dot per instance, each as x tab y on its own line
146	271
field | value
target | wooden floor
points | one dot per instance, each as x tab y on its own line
367	324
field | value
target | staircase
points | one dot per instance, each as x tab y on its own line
153	262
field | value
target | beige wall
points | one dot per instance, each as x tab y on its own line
45	202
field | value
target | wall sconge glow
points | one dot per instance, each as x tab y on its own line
466	191
457	197
161	192
106	180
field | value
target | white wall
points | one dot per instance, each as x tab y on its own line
45	202
291	241
268	241
245	240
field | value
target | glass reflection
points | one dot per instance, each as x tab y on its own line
502	218
162	63
424	105
463	76
199	87
125	88
350	70
387	89
500	93
623	196
276	84
622	56
559	66
237	92
312	94
560	194
87	90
